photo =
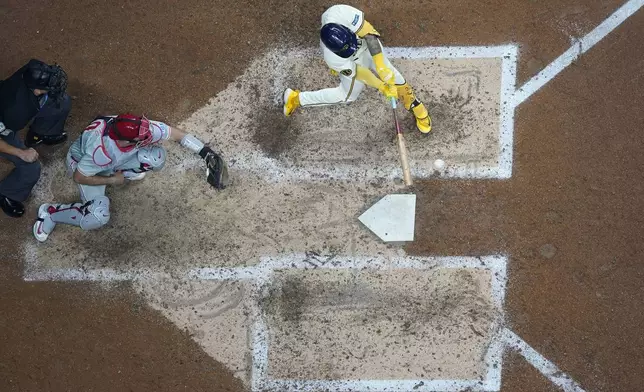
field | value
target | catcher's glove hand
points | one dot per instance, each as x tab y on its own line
216	169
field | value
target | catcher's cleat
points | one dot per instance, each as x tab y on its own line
291	101
44	225
132	176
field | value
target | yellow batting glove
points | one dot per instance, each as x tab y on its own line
384	73
389	91
333	72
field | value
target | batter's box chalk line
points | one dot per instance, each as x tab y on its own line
503	339
469	170
262	274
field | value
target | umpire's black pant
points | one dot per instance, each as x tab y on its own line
50	120
18	184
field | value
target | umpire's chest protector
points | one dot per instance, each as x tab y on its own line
18	104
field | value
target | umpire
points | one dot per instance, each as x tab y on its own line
34	92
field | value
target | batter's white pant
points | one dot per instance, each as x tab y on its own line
349	88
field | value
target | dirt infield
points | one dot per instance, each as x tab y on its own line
569	218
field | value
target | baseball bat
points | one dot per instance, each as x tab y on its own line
402	148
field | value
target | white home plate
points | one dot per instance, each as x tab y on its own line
392	218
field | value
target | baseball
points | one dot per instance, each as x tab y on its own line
439	164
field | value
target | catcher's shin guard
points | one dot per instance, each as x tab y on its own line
423	121
88	216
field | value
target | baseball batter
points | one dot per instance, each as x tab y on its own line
111	151
352	50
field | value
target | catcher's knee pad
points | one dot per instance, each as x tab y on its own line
152	158
406	93
96	214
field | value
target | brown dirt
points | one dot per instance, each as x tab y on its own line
519	375
577	183
273	132
62	337
577	188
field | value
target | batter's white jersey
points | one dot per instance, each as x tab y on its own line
95	153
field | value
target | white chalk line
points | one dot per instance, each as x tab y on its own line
495	263
547	368
259	337
427	52
449	52
578	48
506	131
374	385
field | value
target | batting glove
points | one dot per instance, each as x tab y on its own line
389	91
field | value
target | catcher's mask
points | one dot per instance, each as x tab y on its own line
131	128
51	78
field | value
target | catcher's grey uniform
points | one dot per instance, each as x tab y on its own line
94	153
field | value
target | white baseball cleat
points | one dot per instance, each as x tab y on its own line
43	216
132	176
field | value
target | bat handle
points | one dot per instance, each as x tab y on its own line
393	102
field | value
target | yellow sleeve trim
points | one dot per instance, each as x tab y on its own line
367	28
367	77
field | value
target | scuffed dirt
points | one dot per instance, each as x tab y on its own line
273	132
401	324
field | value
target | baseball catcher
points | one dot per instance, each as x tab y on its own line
111	151
352	50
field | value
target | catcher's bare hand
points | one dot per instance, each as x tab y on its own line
216	169
117	179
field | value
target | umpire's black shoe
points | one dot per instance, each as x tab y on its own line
14	209
32	139
56	139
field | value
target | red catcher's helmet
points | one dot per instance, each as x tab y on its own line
131	128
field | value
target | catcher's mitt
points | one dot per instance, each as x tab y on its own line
216	169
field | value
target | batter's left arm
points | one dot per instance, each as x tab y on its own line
372	39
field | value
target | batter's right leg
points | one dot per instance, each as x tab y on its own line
348	91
